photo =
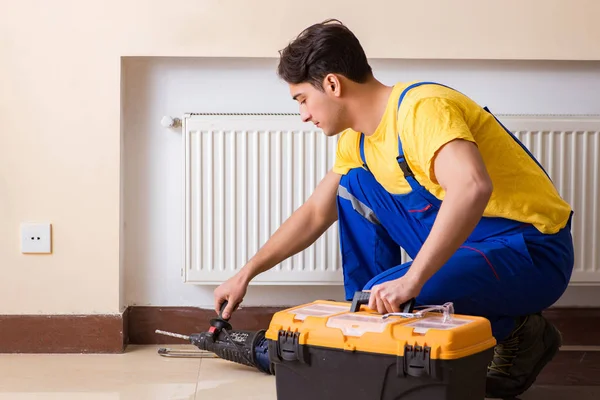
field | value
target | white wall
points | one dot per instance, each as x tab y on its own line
60	95
154	87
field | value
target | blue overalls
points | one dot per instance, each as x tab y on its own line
505	268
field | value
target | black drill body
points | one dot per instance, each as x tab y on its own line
243	347
249	348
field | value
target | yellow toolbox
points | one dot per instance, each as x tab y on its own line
326	350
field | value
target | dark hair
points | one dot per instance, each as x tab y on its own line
321	49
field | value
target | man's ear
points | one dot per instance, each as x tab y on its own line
332	85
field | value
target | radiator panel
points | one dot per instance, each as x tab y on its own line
246	174
569	148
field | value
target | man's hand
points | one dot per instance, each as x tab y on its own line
233	290
389	296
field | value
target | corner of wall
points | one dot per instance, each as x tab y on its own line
122	302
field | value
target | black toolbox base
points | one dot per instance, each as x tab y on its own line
329	374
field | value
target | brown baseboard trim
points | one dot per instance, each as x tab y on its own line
62	334
579	326
144	321
137	325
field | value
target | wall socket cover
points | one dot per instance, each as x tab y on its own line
36	238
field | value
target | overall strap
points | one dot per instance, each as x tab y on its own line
362	151
401	159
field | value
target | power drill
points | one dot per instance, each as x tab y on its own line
249	348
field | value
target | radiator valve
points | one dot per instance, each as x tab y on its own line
170	122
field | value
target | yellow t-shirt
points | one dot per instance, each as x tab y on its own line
433	115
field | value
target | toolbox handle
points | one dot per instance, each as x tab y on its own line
361	298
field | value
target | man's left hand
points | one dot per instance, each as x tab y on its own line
389	296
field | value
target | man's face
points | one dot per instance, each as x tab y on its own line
322	108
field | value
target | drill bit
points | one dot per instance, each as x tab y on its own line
176	335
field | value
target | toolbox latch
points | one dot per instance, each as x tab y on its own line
417	361
289	349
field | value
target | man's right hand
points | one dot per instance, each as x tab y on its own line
233	290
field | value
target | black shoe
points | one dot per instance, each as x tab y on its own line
520	358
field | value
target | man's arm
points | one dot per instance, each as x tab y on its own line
298	232
460	171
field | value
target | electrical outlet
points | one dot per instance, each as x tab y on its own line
35	238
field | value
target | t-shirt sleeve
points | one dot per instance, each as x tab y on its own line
429	125
347	155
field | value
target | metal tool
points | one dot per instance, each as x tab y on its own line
182	353
243	347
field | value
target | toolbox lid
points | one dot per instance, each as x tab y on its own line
331	324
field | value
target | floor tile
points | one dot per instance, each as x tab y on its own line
572	368
562	393
139	373
226	380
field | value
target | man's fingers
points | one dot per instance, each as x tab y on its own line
389	305
380	305
229	308
392	303
376	302
372	300
218	302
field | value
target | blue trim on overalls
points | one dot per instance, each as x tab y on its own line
504	269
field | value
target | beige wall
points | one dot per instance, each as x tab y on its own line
60	105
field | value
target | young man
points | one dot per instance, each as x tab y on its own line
423	167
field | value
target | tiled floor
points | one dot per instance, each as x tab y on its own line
139	374
142	374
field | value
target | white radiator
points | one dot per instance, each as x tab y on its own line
569	148
245	174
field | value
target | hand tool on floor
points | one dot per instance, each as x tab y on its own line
243	347
183	353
